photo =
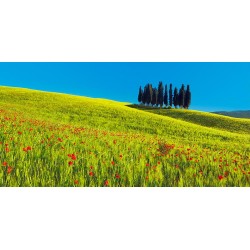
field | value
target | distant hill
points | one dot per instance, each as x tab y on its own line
237	114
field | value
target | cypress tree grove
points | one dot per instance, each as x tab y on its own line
182	96
187	98
171	96
160	94
140	95
176	98
166	96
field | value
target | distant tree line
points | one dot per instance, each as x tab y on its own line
163	96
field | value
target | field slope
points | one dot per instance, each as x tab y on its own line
51	139
209	120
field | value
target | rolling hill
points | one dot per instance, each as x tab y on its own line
51	139
236	114
205	119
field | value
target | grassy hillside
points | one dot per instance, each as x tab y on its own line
50	139
209	120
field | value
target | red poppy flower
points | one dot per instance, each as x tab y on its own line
91	174
5	163
73	157
106	183
220	177
117	176
76	182
112	162
9	170
70	163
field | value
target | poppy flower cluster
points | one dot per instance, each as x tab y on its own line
9	168
72	156
27	149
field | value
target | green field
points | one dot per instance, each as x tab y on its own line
50	139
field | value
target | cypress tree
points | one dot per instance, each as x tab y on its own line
176	97
182	96
154	97
150	89
187	97
171	96
166	96
144	99
140	95
160	94
149	93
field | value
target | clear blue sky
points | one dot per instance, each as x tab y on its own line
214	86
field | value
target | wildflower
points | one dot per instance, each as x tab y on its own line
106	183
27	148
70	163
76	182
220	177
112	162
73	157
91	174
117	176
5	164
9	170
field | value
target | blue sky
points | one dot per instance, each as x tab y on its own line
214	86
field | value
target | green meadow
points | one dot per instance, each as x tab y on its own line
59	140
